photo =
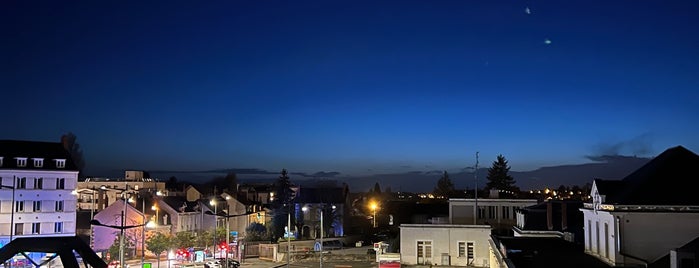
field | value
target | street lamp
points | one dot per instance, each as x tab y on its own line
373	209
121	229
213	203
227	216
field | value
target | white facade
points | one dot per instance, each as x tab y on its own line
92	197
40	205
445	244
495	212
635	234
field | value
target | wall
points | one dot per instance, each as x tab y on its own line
445	239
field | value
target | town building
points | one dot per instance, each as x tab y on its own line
640	219
552	218
444	244
498	213
35	198
95	194
538	252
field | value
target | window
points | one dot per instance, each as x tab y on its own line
36	228
60	163
60	183
492	212
481	212
462	248
470	256
37	206
19	228
59	205
38	162
19	206
597	232
21	161
38	183
424	252
58	227
0	161
606	240
21	183
589	235
505	212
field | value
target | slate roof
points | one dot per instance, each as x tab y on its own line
181	204
665	180
9	149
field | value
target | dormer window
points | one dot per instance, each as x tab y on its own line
38	162
21	161
60	163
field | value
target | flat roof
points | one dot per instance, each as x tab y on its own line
445	226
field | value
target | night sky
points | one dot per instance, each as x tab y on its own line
356	87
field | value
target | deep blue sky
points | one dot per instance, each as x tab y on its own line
357	87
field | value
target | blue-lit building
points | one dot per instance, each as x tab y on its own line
36	198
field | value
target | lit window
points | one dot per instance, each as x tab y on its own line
21	161
58	227
38	183
36	228
59	205
37	206
60	183
38	162
60	163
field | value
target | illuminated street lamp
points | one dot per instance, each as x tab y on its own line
373	206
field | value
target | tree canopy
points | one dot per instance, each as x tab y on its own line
445	187
498	177
283	198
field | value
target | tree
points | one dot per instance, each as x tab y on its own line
158	243
445	187
498	177
377	189
281	204
76	154
256	232
231	181
183	239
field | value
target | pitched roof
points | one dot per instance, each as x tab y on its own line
9	149
662	181
181	204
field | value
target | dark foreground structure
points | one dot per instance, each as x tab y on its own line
62	246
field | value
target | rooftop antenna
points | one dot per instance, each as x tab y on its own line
475	179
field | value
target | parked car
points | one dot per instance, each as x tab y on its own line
212	264
332	244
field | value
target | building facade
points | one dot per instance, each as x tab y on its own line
639	220
498	213
35	198
445	244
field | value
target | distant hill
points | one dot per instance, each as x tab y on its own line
606	167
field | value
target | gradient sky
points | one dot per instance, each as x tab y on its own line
351	86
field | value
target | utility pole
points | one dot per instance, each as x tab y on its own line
322	207
475	179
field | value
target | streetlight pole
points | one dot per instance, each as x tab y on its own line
12	206
228	229
475	179
213	202
143	231
321	235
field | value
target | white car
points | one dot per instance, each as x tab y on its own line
212	264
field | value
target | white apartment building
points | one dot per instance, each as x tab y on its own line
35	198
444	244
639	220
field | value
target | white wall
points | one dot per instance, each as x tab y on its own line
445	239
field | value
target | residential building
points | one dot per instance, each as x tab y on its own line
498	213
331	199
94	194
444	244
552	218
643	217
119	213
35	198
